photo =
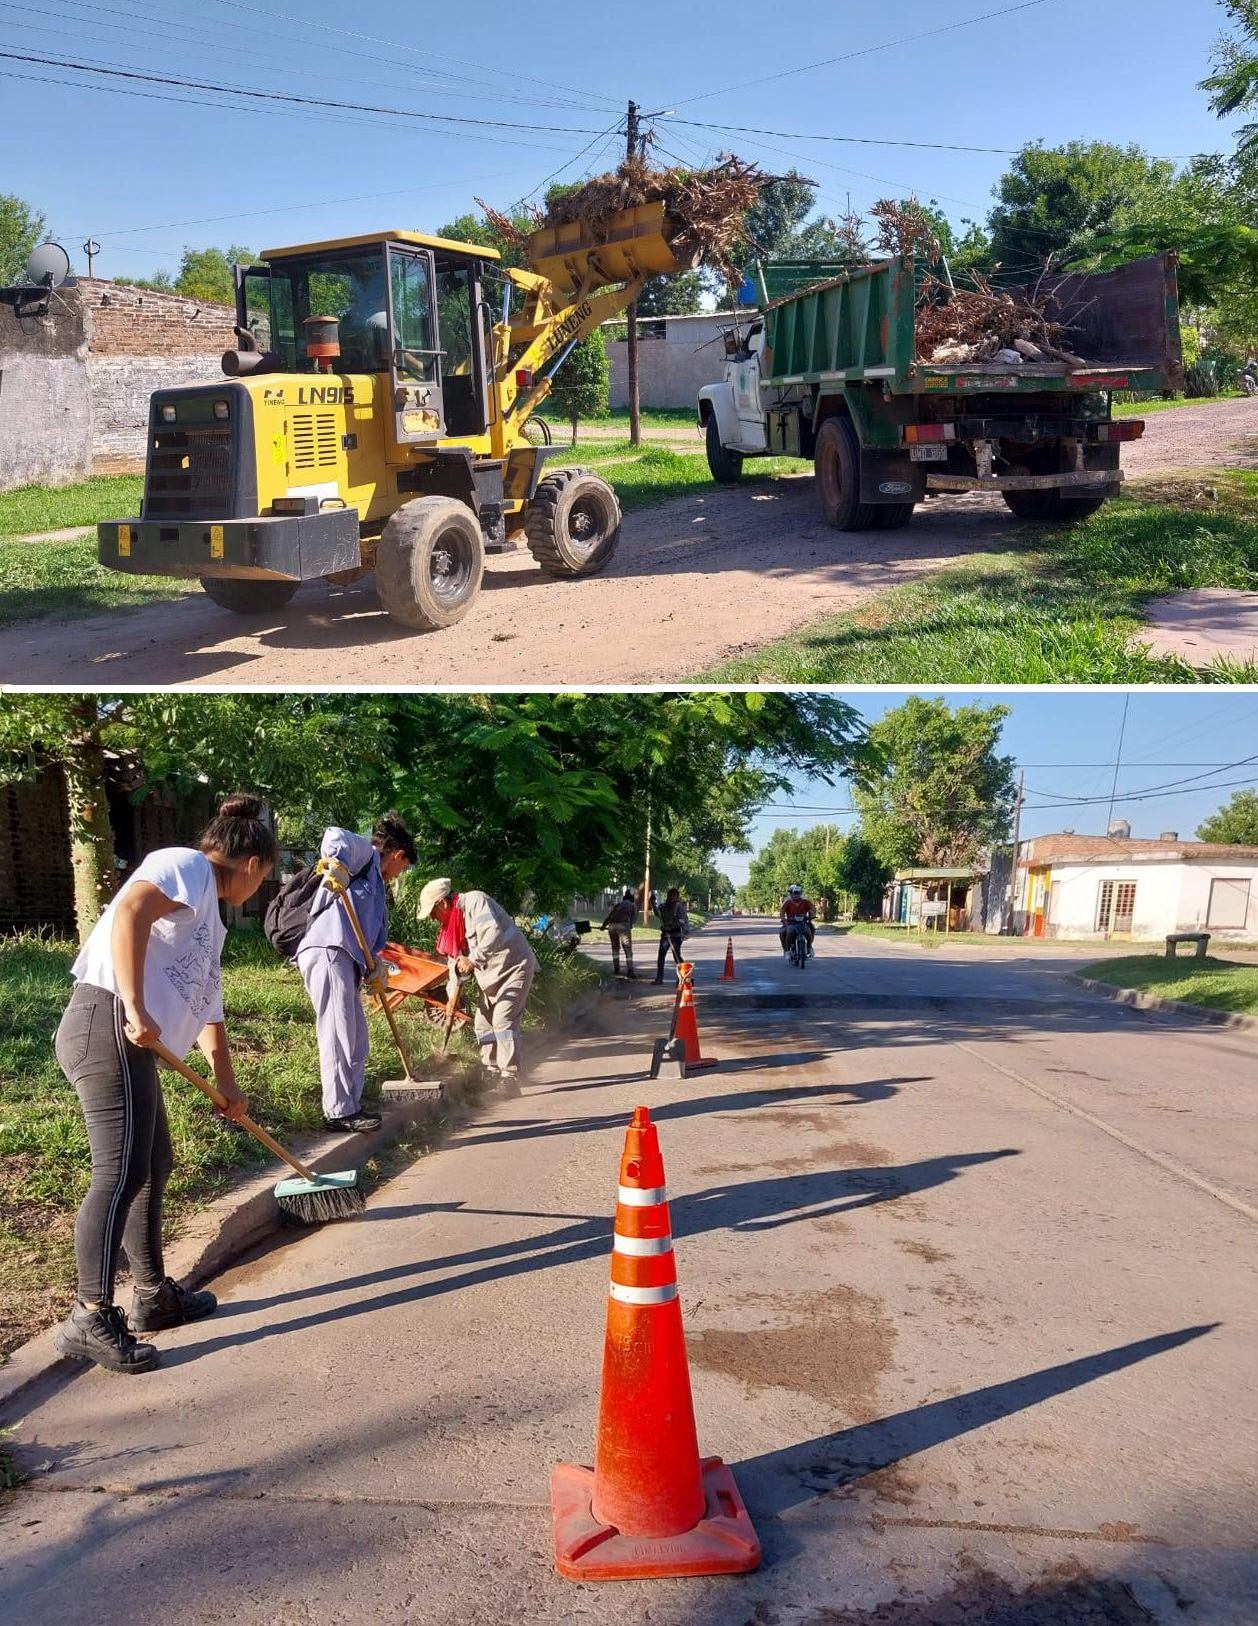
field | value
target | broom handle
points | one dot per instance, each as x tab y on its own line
220	1101
342	893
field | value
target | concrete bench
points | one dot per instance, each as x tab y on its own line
1174	939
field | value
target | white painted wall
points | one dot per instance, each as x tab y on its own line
1171	896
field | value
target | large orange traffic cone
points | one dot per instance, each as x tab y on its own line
729	974
650	1506
687	1028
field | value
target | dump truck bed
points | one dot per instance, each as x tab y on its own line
858	326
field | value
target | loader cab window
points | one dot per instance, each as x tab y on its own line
414	355
458	322
349	286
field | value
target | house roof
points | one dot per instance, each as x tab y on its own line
1065	849
938	874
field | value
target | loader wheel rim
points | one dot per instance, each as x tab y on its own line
586	525
450	565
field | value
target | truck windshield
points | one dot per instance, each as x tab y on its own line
347	285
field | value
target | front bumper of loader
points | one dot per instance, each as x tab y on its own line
283	547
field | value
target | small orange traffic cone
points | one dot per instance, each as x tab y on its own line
729	974
650	1506
687	1028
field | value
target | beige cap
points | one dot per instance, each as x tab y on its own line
432	895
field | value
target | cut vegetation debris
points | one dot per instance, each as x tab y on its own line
957	327
704	208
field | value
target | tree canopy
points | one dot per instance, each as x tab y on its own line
21	227
1236	821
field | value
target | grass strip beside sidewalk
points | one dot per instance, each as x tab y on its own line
1218	985
1067	610
44	1158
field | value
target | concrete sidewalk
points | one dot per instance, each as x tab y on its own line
966	1352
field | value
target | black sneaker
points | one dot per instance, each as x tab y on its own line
169	1305
357	1123
104	1337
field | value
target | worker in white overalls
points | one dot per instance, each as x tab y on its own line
478	937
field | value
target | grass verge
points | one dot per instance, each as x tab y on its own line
1142	409
1068	609
1219	985
30	510
43	1145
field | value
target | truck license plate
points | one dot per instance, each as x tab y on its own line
928	454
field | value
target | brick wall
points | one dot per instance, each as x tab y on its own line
139	322
36	882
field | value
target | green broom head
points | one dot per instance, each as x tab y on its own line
326	1197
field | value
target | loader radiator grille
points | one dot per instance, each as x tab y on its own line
315	440
189	473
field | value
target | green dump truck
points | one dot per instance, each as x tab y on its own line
826	366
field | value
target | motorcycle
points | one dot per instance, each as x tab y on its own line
798	948
1249	380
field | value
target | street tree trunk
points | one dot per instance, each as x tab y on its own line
91	834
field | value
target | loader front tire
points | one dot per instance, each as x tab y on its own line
573	523
246	596
838	466
726	466
429	563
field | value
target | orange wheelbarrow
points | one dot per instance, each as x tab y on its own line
413	974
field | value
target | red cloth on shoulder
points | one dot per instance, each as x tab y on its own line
452	941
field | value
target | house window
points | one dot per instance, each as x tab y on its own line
1115	907
1229	905
651	328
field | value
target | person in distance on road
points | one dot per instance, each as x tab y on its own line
674	929
333	966
479	938
619	927
149	972
795	906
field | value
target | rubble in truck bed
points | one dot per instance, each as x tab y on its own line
704	208
960	327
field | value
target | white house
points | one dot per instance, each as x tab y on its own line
1116	887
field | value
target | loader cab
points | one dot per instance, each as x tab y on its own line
408	310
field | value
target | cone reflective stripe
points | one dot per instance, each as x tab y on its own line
729	974
650	1506
687	1026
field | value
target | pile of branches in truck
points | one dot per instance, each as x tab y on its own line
704	208
959	327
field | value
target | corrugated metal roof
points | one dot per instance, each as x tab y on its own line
1062	849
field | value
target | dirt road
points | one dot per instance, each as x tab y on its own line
968	1278
695	581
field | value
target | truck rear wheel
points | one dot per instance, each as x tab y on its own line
573	523
838	467
246	596
726	466
1049	507
892	516
429	563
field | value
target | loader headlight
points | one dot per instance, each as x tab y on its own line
220	409
168	412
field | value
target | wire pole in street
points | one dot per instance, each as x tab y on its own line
631	333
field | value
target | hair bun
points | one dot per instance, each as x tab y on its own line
240	806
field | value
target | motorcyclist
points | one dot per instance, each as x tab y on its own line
795	906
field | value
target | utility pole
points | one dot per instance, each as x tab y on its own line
91	248
1118	759
631	332
1013	872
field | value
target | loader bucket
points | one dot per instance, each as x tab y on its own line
634	244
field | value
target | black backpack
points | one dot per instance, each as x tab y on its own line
288	913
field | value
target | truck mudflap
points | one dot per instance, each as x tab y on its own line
283	547
1079	482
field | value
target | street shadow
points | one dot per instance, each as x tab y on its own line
736	1064
748	1206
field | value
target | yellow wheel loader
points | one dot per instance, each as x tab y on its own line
375	417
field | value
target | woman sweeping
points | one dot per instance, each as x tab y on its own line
480	937
149	971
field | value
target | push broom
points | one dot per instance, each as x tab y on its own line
311	1198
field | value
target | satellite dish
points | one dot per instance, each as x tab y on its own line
48	266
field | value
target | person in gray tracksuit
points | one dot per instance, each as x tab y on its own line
332	964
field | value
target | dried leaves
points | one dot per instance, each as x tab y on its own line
958	326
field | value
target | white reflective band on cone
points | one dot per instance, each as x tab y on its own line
633	1197
641	1247
644	1295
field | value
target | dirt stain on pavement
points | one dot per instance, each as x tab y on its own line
835	1348
922	1250
842	1154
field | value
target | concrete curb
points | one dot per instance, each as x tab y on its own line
1173	1007
228	1227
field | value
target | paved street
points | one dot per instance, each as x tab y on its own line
968	1272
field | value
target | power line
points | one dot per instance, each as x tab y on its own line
863	141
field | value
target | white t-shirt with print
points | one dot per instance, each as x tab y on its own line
182	986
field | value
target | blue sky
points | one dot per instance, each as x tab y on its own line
1067	740
146	174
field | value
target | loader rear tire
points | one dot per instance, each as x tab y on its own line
248	597
725	466
838	466
573	523
429	563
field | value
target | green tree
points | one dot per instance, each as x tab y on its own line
1054	200
1235	822
20	229
469	228
941	793
582	385
864	875
161	282
679	295
206	273
1233	86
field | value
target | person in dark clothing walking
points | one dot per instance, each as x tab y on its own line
674	928
619	927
